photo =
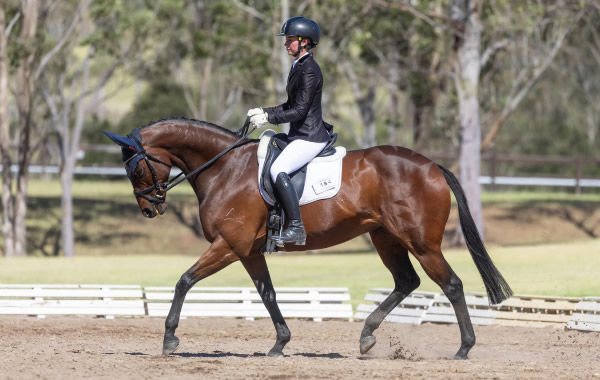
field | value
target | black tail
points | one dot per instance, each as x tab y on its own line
496	286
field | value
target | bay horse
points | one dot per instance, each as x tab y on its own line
399	197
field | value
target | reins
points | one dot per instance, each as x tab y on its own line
162	187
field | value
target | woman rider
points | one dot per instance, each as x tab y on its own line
308	133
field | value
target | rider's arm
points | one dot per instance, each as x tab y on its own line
310	81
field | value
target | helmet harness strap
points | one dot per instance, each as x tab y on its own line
299	47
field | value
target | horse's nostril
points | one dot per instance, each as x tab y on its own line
147	212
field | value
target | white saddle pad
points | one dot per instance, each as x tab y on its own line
323	174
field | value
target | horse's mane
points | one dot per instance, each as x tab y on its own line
195	122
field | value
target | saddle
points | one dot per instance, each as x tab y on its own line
321	176
277	143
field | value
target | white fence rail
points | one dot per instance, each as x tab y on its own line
317	304
519	310
484	180
133	300
99	300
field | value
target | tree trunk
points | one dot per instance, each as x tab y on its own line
66	205
365	101
71	140
393	72
204	88
393	122
7	195
467	69
284	60
24	97
21	213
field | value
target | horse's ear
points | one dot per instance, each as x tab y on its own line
121	140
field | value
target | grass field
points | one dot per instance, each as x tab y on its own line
121	187
116	245
556	270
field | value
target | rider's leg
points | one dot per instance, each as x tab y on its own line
294	233
297	154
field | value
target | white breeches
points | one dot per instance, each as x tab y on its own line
295	155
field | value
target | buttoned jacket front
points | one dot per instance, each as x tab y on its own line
303	106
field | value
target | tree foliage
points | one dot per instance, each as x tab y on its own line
389	68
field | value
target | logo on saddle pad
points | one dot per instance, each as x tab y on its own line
320	179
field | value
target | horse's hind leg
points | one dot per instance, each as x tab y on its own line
395	258
441	273
256	266
217	257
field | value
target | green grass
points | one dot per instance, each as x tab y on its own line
101	189
519	197
554	270
122	188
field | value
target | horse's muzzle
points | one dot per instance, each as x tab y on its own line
149	212
159	208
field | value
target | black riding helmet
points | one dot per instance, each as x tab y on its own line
301	27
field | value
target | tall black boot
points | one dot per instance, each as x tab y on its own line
294	233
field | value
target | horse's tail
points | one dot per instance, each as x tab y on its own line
496	286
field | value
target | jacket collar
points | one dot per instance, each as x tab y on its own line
301	59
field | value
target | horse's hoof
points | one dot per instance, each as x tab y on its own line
366	343
275	354
170	345
461	355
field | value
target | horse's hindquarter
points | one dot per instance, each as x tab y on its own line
384	186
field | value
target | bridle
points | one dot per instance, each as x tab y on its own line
160	188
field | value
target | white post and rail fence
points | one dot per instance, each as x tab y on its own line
576	169
312	303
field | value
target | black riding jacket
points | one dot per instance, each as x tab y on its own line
303	106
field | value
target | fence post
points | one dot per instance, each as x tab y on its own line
493	169
578	175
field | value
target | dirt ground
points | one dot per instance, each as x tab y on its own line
95	348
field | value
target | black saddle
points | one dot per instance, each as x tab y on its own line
276	145
275	216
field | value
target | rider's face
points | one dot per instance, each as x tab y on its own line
292	44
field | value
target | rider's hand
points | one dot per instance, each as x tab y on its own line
254	111
258	117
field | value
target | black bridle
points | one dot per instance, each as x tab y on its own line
160	188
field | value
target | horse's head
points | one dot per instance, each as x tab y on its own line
148	173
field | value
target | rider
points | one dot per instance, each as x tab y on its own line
308	134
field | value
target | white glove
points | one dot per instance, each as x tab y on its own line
254	111
259	119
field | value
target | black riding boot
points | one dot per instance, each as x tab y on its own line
294	233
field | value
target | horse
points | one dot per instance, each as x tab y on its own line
398	196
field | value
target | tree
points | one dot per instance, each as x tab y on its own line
527	50
580	62
14	203
213	55
76	83
8	200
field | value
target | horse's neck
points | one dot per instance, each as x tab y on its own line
192	143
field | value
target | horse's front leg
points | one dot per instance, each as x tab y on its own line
217	257
256	266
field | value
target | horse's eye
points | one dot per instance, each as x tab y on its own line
139	172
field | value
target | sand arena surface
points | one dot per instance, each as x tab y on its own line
221	348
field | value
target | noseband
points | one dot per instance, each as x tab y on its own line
160	188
